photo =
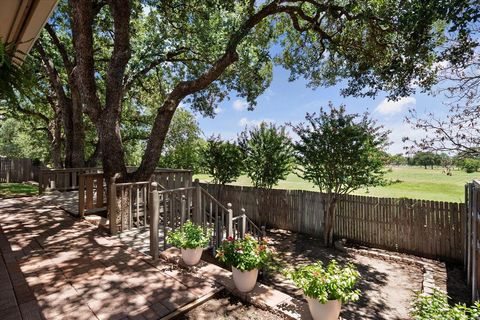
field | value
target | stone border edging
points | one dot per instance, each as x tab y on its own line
434	272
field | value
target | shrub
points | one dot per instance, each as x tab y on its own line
268	154
330	283
190	236
470	165
436	307
244	254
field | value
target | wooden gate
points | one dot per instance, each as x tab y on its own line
472	243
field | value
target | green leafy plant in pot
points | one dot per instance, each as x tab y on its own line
245	256
191	239
326	288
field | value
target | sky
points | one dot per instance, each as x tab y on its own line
288	102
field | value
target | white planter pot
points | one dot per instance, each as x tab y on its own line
324	311
244	281
191	256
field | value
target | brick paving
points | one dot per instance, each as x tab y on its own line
54	266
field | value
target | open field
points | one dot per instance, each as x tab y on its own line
408	182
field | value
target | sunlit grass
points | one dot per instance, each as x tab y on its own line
413	182
8	190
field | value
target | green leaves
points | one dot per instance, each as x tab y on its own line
340	152
268	154
244	254
222	160
190	236
330	283
435	306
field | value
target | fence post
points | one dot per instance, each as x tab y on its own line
197	217
40	182
474	248
112	205
81	195
230	220
182	210
153	207
244	224
264	232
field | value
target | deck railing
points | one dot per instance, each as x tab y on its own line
169	209
91	193
62	179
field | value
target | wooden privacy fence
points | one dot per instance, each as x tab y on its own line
16	170
472	243
426	228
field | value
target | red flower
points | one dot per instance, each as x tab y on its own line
230	238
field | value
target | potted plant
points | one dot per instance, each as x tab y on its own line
191	239
245	256
325	289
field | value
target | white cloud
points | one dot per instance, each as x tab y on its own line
240	105
391	107
245	122
218	110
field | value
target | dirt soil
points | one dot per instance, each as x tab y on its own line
227	307
387	287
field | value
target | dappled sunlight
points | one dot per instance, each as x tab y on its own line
73	269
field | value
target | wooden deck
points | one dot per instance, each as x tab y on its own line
54	266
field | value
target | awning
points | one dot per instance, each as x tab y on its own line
21	22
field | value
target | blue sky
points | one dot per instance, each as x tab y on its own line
288	101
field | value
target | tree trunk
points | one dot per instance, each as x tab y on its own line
56	136
108	129
78	131
329	220
94	159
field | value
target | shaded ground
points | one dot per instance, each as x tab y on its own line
8	190
224	306
387	287
69	270
457	287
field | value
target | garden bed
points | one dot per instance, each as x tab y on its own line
227	307
387	285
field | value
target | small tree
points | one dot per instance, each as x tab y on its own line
268	154
339	153
222	160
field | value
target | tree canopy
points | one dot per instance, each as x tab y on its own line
127	65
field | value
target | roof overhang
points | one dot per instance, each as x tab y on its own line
21	22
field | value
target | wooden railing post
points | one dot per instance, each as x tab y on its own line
197	216
81	196
183	210
244	224
264	232
230	221
40	182
112	205
153	207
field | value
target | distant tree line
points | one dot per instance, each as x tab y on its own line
430	160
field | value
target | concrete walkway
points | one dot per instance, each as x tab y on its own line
56	267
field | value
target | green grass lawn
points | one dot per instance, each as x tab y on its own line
415	182
8	190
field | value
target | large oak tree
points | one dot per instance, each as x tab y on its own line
201	50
